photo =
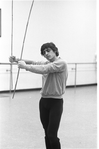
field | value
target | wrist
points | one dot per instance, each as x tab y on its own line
17	59
27	67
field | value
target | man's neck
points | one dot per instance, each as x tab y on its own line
54	59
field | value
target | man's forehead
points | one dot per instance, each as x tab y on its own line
47	49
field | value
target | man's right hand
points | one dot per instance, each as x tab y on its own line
13	59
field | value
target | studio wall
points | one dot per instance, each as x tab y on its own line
70	24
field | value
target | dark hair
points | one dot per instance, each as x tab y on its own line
49	45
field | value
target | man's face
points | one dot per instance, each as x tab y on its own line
49	54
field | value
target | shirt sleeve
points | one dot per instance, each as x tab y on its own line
48	68
39	63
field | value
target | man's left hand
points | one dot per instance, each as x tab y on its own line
21	64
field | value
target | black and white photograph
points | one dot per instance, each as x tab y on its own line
48	74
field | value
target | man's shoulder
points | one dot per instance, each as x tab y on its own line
60	60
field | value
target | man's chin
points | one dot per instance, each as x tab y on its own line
49	58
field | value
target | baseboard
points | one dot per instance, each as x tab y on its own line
37	89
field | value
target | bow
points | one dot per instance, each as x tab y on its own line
23	45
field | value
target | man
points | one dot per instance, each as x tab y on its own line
54	78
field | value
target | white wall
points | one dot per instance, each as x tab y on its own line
70	24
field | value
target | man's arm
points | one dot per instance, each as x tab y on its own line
29	62
14	59
43	69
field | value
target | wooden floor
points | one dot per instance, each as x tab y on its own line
20	126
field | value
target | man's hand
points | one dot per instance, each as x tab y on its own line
13	59
21	64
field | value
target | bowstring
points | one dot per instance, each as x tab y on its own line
11	67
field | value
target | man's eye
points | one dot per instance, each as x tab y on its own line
48	50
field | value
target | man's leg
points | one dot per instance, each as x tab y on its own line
44	117
54	121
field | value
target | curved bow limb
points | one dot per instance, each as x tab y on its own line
23	46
